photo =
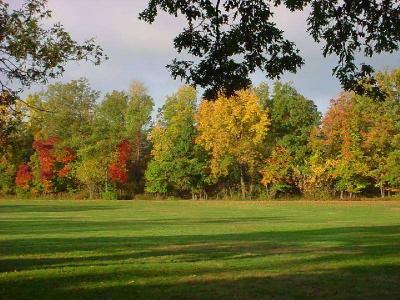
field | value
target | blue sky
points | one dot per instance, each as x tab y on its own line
139	51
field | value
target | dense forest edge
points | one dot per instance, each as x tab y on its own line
261	143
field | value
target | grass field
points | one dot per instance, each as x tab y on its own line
199	250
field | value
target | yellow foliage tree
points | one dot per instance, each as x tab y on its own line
279	172
233	130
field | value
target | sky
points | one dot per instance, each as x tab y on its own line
139	51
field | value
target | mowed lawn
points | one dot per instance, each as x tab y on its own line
199	250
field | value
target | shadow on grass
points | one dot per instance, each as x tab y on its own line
358	282
57	207
362	265
87	255
380	236
54	224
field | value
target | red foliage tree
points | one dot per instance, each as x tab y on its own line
50	160
118	171
24	176
47	159
67	157
124	151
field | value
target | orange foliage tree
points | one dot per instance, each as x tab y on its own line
340	138
23	177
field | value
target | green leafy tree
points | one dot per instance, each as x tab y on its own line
138	117
120	116
32	51
293	117
380	127
7	174
15	148
109	123
393	171
177	164
108	128
67	111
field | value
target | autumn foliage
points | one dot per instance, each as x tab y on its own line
54	162
45	148
232	127
118	171
24	176
266	141
66	158
233	130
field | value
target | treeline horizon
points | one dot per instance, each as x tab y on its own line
263	142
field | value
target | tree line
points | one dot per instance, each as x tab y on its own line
261	142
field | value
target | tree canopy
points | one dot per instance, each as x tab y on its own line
261	142
231	39
32	52
233	131
177	165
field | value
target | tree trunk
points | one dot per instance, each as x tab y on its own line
139	143
341	194
382	190
242	183
106	180
251	188
90	193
